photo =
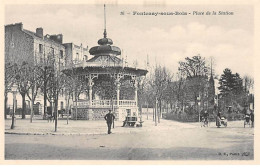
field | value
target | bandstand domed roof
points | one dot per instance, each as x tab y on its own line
105	61
105	47
105	41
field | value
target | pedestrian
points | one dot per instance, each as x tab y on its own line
218	118
109	117
206	116
252	116
54	116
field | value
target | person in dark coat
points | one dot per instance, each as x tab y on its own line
109	117
206	115
218	118
252	116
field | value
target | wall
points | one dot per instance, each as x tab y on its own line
72	56
81	52
47	51
21	46
68	52
18	44
99	113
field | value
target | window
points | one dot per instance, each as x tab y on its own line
40	48
77	56
52	51
61	105
61	54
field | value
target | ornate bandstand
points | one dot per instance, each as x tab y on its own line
104	75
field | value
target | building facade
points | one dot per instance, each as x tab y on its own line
75	54
32	47
35	48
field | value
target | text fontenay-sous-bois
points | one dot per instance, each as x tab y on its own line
195	13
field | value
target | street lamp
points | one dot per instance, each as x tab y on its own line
198	98
14	91
155	113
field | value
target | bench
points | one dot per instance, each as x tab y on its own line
130	121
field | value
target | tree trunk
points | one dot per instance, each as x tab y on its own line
6	99
56	111
50	107
23	105
45	95
32	102
140	111
159	111
77	108
67	107
155	113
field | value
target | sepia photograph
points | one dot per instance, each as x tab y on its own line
150	81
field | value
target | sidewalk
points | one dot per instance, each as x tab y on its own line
85	127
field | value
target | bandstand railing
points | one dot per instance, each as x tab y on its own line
105	103
127	103
81	104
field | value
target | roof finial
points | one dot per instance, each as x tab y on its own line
105	32
211	66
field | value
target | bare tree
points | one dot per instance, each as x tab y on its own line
159	81
10	72
142	83
47	69
195	66
22	80
35	81
74	85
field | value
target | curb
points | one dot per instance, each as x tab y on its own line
78	134
64	134
58	134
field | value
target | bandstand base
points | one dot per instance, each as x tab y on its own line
99	113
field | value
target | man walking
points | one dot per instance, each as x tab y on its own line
109	117
252	116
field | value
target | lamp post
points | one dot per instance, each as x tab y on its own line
198	99
52	106
155	113
14	91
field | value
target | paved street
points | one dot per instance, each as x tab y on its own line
170	140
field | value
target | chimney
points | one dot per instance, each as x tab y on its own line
19	26
58	38
39	32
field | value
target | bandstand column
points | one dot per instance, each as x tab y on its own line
117	92
136	97
90	110
90	84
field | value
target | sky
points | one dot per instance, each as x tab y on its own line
228	39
